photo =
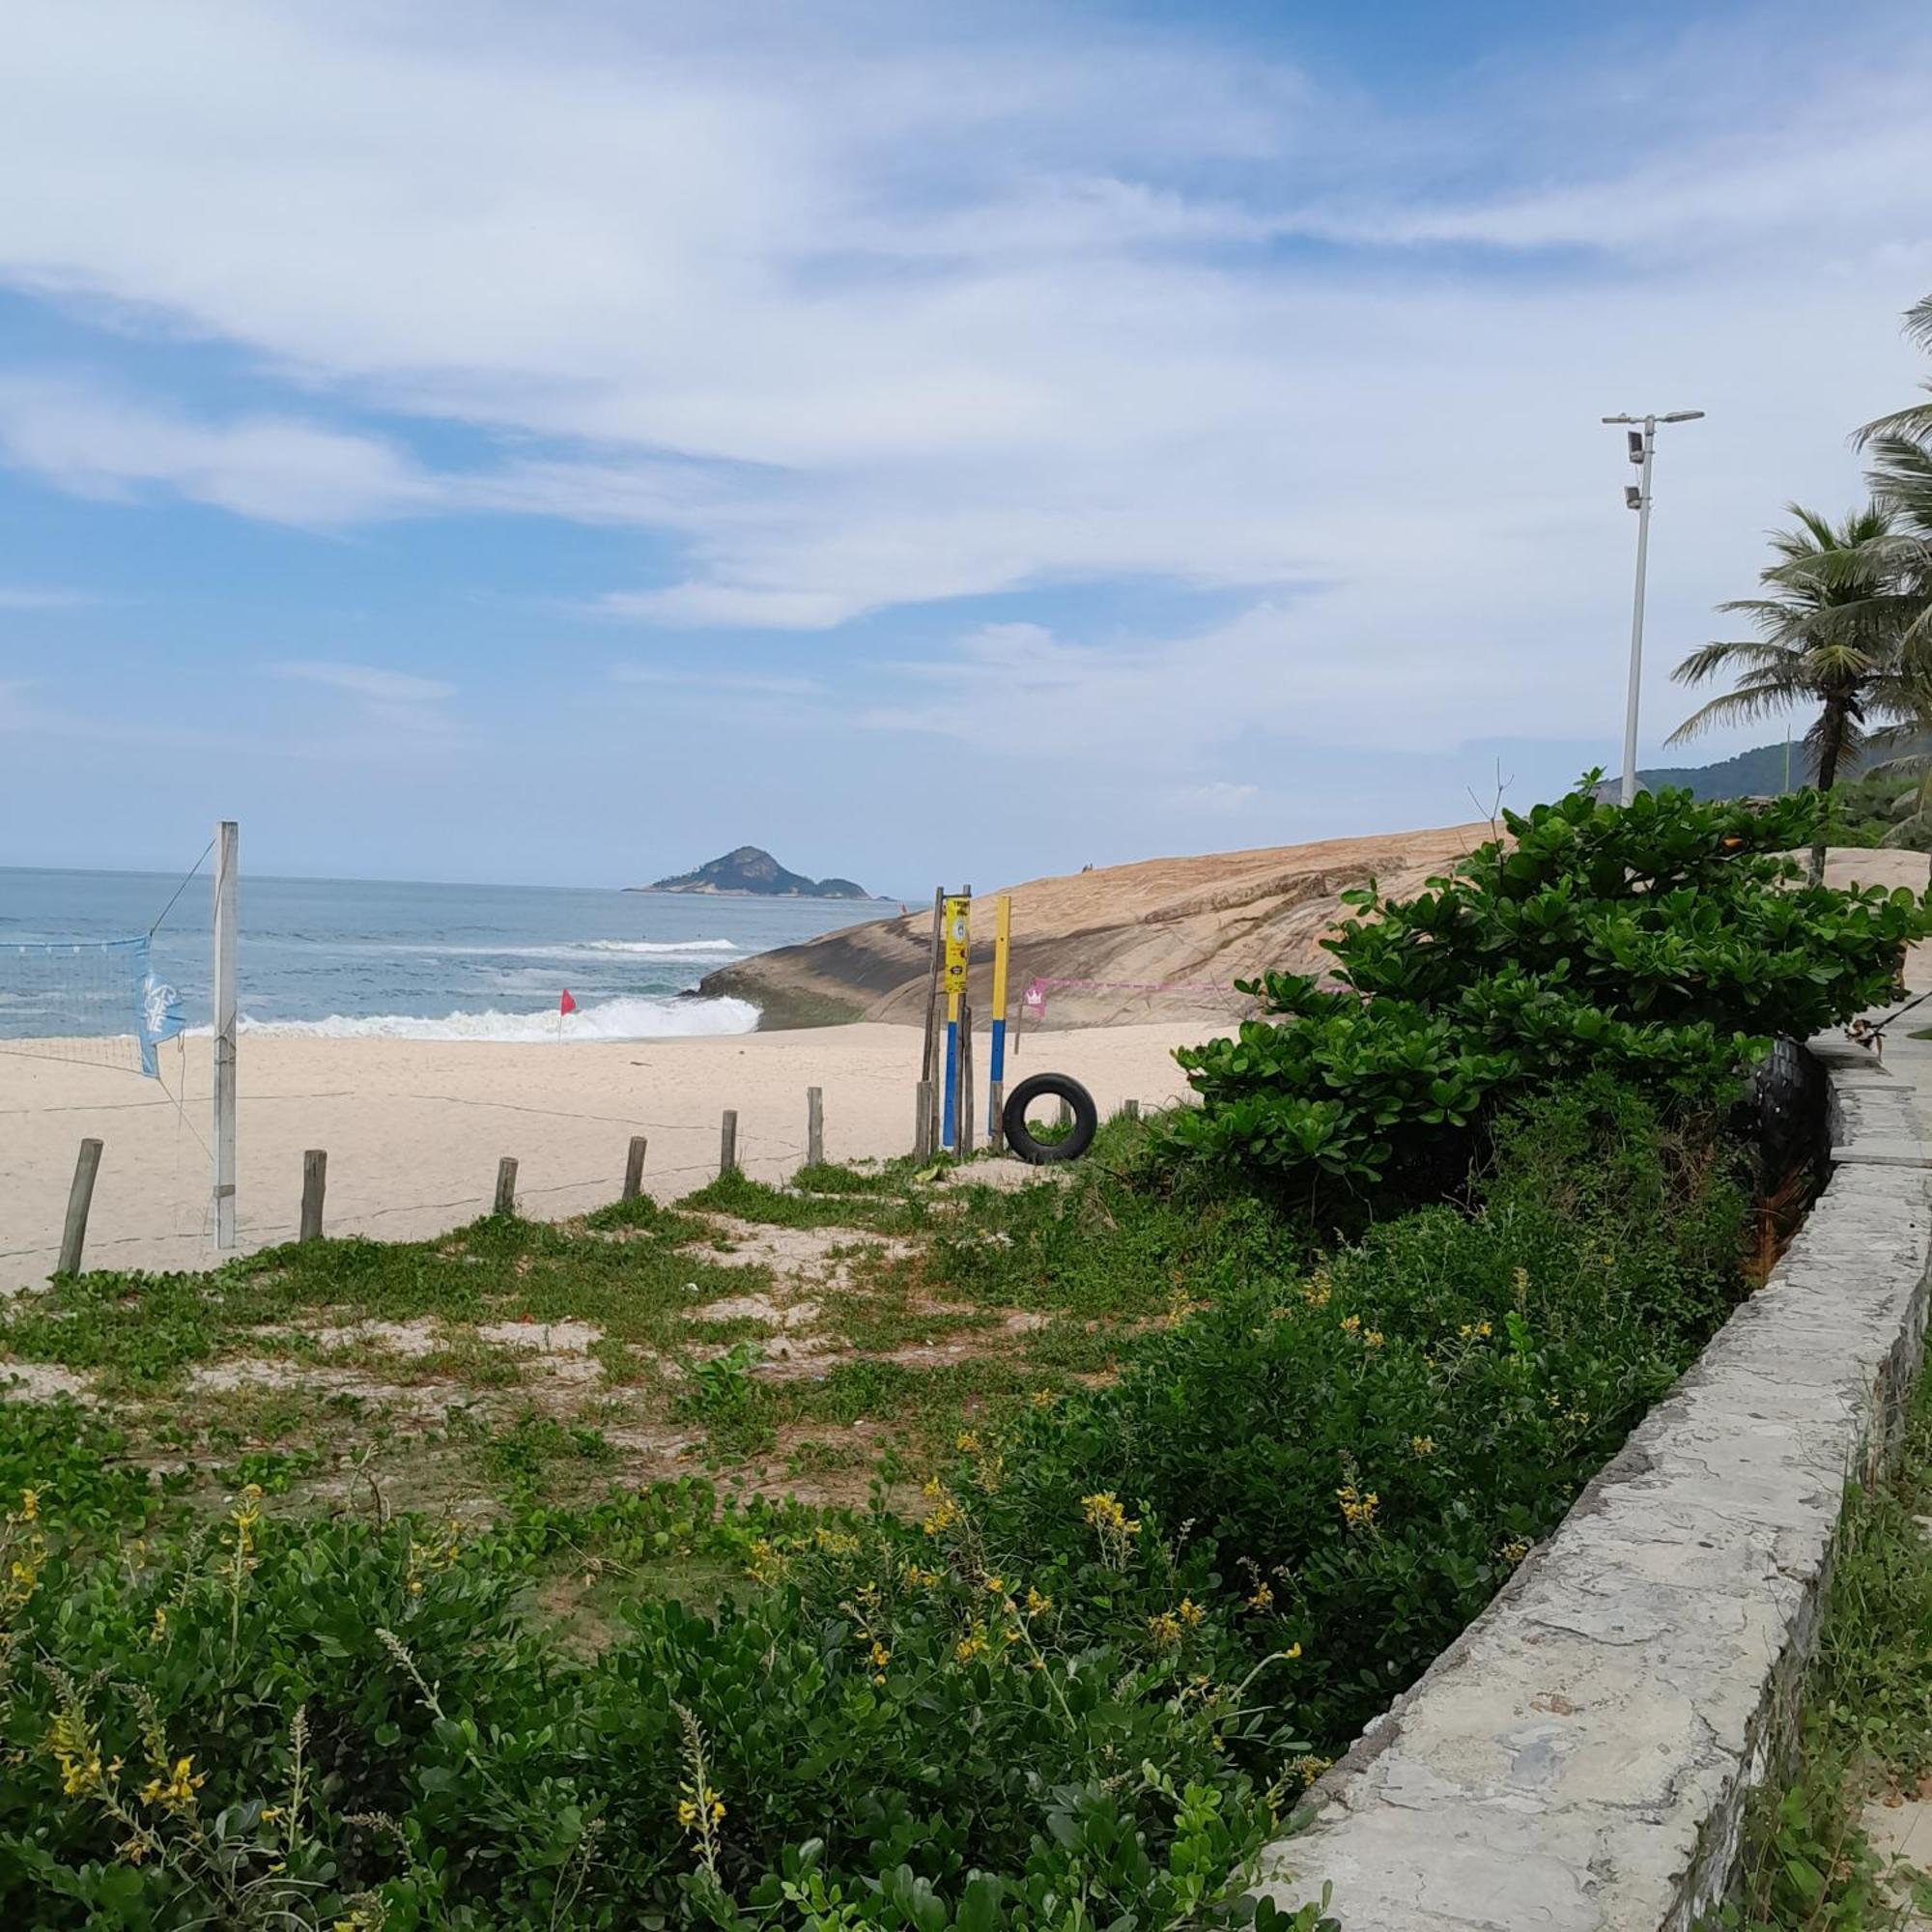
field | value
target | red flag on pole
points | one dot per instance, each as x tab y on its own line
566	1005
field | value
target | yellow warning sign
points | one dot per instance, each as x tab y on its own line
959	931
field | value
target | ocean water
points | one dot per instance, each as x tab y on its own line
346	958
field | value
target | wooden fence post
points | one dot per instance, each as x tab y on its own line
634	1168
1066	1113
996	1115
506	1186
814	1127
921	1125
728	1143
1131	1109
79	1199
315	1184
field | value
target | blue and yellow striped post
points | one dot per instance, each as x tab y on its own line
958	941
1002	932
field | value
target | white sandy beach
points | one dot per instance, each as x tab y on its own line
413	1130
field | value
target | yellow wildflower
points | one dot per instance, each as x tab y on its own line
1308	1769
176	1791
1261	1598
1190	1613
966	1442
1164	1629
1358	1507
1035	1604
30	1505
1515	1550
1373	1339
1422	1445
1114	1526
1351	1324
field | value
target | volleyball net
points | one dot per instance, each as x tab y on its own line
96	1000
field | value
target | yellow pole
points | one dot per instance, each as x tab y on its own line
1002	932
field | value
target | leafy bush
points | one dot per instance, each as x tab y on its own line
1666	942
1356	1459
351	1723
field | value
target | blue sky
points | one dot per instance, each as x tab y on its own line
475	441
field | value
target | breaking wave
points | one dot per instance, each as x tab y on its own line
606	1019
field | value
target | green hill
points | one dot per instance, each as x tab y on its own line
752	871
1760	773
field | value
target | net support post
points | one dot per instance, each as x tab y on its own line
226	855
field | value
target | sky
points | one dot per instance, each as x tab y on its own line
463	440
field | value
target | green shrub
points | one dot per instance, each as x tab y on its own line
1665	941
1362	1454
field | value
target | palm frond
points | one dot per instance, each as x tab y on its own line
1734	707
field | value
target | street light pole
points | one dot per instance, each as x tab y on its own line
1642	452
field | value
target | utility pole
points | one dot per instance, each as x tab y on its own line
1642	452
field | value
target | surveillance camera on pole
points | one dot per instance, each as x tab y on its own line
1642	447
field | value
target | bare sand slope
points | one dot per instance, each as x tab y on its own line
414	1129
1208	921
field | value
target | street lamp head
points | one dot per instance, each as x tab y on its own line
1682	416
1623	420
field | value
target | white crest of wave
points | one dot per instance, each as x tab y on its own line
606	1019
668	946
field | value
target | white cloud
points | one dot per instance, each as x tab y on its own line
21	597
284	471
394	711
759	683
870	318
369	681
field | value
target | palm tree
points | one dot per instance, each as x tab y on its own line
1901	481
1830	632
1912	424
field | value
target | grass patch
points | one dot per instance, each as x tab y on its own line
883	1211
1867	1731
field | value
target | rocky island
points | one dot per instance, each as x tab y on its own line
750	872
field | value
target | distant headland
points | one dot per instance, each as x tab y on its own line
750	872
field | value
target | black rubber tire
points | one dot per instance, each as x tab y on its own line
1049	1087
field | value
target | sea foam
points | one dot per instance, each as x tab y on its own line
601	1020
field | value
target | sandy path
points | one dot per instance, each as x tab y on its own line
414	1129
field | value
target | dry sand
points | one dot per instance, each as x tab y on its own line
414	1129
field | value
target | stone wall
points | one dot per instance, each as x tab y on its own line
1582	1757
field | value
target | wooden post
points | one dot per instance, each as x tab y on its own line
634	1168
315	1184
1131	1109
814	1127
506	1186
928	1065
962	1140
1066	1113
79	1199
728	1143
921	1124
226	842
996	1115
